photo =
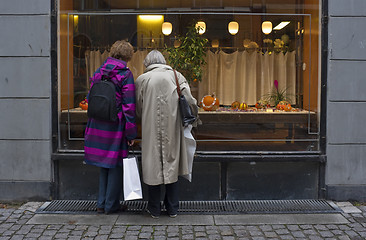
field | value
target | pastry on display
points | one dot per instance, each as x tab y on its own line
243	106
210	103
235	105
84	104
281	105
262	104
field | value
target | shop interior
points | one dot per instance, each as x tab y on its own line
257	86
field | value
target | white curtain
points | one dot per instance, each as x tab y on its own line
94	59
240	76
247	77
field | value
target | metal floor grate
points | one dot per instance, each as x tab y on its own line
203	207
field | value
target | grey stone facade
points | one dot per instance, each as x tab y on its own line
25	100
346	105
25	105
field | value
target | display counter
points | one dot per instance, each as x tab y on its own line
226	130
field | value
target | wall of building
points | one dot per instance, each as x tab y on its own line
346	107
25	100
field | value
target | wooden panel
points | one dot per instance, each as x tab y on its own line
66	88
311	57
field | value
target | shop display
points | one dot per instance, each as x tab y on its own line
210	103
84	104
262	104
235	105
282	105
243	106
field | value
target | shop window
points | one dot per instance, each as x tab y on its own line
266	83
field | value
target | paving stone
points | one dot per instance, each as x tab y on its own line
258	238
315	238
310	232
199	228
148	229
117	235
325	234
270	234
160	238
287	237
298	234
101	237
134	228
188	236
8	233
17	237
49	238
241	233
228	238
227	233
173	234
255	233
159	233
132	233
160	228
282	231
200	234
214	237
145	235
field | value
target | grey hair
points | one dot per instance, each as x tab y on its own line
154	57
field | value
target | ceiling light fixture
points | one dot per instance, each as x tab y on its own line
233	27
281	25
266	27
201	27
166	28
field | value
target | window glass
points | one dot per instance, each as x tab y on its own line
258	90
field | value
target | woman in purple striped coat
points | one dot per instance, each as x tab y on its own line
106	143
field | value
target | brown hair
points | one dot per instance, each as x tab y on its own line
122	50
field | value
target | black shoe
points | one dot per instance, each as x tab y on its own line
100	210
123	208
152	215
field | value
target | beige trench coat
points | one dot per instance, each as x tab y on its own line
164	155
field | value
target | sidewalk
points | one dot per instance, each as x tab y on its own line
23	223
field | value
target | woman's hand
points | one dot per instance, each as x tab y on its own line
130	142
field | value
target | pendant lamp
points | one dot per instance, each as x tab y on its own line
166	28
233	28
215	43
202	27
266	27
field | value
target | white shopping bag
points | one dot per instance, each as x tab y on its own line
191	149
131	179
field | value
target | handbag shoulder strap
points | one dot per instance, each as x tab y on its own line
176	81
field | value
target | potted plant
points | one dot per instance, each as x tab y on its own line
189	57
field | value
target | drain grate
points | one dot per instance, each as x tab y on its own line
203	207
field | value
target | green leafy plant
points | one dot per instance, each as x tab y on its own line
277	95
189	57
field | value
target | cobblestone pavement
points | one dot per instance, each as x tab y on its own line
14	225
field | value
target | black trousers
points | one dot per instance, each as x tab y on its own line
171	199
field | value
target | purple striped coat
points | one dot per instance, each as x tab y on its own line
106	142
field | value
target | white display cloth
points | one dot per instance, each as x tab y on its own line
247	77
239	76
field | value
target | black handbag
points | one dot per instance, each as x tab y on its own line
185	109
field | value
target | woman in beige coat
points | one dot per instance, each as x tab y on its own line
164	153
